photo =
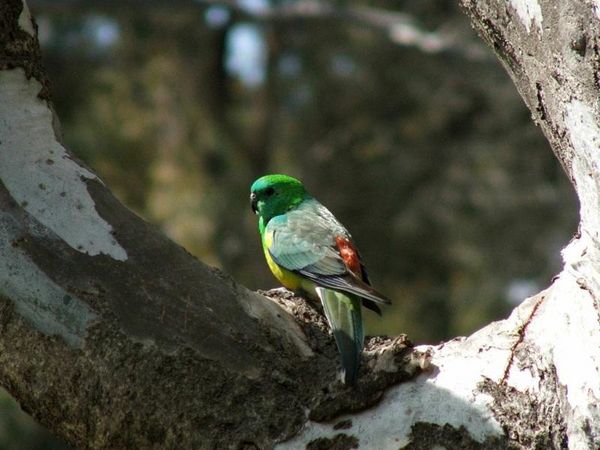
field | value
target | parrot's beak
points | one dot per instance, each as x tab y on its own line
253	202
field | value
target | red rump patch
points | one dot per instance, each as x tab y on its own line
349	255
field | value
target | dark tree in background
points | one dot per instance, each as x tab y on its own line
394	113
422	146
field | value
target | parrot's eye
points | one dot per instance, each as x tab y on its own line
269	191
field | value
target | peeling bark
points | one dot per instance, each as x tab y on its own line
114	337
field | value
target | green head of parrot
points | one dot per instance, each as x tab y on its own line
273	195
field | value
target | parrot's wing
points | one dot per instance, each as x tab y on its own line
304	242
349	284
311	242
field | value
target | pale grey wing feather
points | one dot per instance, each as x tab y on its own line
304	239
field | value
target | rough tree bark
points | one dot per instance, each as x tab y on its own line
114	337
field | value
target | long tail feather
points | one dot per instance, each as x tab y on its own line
344	316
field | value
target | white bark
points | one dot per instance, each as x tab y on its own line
530	13
40	175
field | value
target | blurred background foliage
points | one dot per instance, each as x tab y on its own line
392	112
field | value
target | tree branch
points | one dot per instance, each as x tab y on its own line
114	337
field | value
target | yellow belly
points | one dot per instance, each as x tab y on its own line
288	279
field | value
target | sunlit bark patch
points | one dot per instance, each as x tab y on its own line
25	20
37	171
530	13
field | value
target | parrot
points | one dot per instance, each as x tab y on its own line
311	253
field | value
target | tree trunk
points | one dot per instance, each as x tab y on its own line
114	337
